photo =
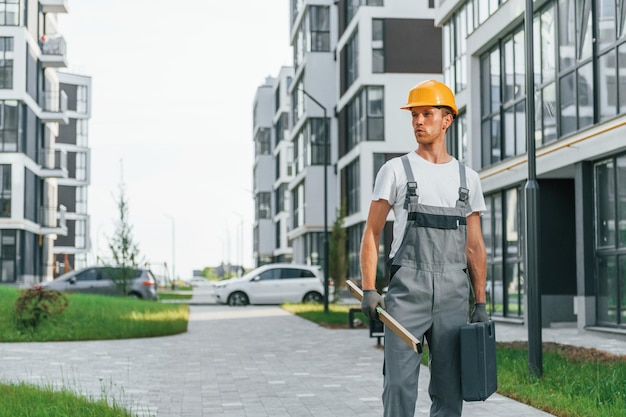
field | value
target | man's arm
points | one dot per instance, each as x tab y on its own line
376	219
476	257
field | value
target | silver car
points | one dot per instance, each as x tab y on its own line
274	284
105	280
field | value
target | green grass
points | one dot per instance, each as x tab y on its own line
116	318
174	295
23	400
576	382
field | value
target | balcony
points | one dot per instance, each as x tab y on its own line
53	163
52	220
54	107
53	51
53	6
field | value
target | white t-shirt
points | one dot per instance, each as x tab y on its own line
437	185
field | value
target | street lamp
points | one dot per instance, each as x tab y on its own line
535	355
173	246
326	146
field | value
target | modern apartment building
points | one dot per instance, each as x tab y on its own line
381	49
339	107
71	250
33	106
579	132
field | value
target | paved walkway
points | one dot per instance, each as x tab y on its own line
241	361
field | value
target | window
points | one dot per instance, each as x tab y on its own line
378	46
9	121
298	206
318	142
81	200
264	205
81	132
503	104
320	28
352	7
365	117
262	142
352	59
456	137
314	247
81	99
501	230
6	61
281	126
11	12
353	188
8	251
80	234
5	190
379	160
610	242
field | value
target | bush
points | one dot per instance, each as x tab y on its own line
37	304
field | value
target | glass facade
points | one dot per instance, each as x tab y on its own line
501	230
577	83
610	242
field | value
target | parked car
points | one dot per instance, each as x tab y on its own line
106	280
274	284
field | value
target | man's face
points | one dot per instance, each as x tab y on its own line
429	123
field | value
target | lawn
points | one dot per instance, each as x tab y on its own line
117	318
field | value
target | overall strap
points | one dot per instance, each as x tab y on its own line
410	200
463	190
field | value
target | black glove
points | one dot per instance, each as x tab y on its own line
479	314
371	300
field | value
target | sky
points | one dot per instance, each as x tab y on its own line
173	84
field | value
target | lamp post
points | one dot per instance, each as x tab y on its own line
535	356
326	146
173	246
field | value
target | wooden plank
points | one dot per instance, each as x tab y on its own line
389	321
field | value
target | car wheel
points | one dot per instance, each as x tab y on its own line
238	299
134	295
313	297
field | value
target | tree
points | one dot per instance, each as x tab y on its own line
338	262
124	250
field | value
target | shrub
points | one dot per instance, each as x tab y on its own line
36	304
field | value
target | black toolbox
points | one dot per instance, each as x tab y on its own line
479	376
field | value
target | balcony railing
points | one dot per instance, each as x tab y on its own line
54	107
53	51
53	6
52	220
53	163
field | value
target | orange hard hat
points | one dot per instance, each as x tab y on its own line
431	93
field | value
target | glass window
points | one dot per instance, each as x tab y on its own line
584	89
378	46
5	191
605	19
607	290
264	204
352	59
320	28
263	141
6	62
353	188
317	141
375	114
608	88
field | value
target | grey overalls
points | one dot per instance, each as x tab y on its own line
428	294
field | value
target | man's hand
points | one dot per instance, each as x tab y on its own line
371	299
479	314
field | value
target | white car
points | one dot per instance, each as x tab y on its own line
274	284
